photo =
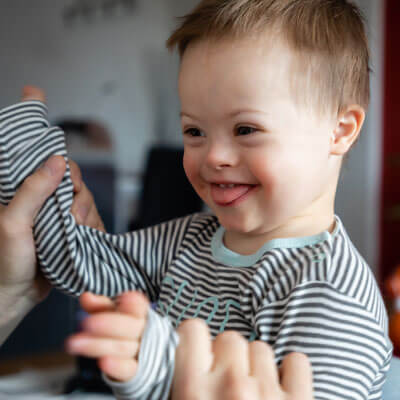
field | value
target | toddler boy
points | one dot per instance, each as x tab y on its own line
273	96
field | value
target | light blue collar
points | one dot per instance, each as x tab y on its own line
228	257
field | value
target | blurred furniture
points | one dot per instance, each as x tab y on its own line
37	381
166	192
42	330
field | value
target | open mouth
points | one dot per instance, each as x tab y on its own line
230	194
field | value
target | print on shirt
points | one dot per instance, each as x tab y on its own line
212	299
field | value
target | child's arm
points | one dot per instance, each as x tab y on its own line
73	257
135	347
348	349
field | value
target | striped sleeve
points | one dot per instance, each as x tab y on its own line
75	258
347	347
155	363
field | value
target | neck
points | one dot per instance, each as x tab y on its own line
316	218
248	243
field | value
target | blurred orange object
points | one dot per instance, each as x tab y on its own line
392	288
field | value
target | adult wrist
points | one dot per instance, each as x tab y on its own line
13	308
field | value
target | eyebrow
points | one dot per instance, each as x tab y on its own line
231	114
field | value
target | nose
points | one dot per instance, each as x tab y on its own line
221	154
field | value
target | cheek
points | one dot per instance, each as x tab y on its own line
267	169
191	167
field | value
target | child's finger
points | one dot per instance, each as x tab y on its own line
93	303
120	369
33	93
114	325
263	368
134	303
193	356
95	347
296	376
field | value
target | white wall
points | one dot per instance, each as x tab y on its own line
114	70
76	65
127	55
357	200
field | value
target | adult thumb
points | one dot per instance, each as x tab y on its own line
35	190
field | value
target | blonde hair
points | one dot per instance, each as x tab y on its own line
327	37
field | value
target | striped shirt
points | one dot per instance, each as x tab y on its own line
313	294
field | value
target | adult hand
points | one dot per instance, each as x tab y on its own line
21	284
232	368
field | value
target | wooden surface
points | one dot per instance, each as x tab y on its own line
37	361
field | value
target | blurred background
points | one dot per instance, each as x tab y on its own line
112	86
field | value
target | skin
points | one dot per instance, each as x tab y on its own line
242	125
232	368
228	367
22	287
21	284
111	333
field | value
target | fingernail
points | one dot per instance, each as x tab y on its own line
51	166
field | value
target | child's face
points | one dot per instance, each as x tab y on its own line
242	126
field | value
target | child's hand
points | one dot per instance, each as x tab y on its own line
232	368
112	332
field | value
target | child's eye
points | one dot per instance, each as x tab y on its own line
193	132
245	130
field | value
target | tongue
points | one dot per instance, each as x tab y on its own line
227	195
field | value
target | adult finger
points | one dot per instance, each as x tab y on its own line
76	175
296	376
93	303
32	194
114	325
193	356
230	350
263	367
84	209
94	220
92	346
32	93
117	368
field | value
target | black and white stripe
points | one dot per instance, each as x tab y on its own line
74	258
320	299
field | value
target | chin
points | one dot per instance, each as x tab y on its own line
234	223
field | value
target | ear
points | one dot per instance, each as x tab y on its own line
347	130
